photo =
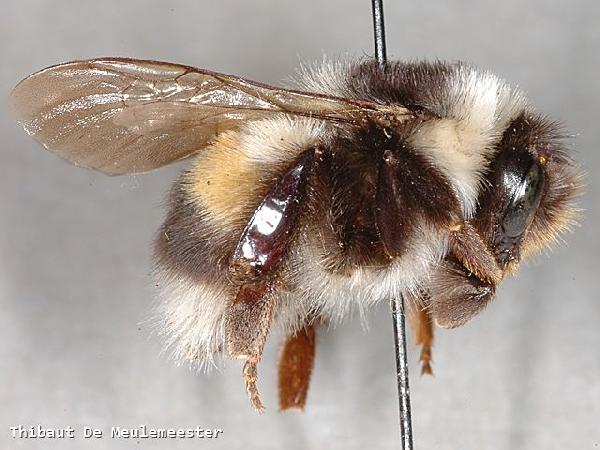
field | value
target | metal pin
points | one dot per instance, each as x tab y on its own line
397	304
379	31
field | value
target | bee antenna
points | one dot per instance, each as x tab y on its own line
397	303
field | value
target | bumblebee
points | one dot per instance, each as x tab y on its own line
429	180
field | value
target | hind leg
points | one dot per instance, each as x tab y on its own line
247	323
253	268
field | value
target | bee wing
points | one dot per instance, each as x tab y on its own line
122	116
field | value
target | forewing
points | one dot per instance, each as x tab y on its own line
126	116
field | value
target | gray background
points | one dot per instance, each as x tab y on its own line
75	288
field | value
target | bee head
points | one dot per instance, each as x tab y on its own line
528	197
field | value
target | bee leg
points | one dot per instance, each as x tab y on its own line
455	294
253	268
295	368
247	323
468	248
422	325
250	372
424	337
465	282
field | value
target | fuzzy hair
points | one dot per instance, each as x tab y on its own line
214	199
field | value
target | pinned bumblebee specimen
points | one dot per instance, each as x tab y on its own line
428	180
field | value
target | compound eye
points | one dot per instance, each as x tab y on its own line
526	195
